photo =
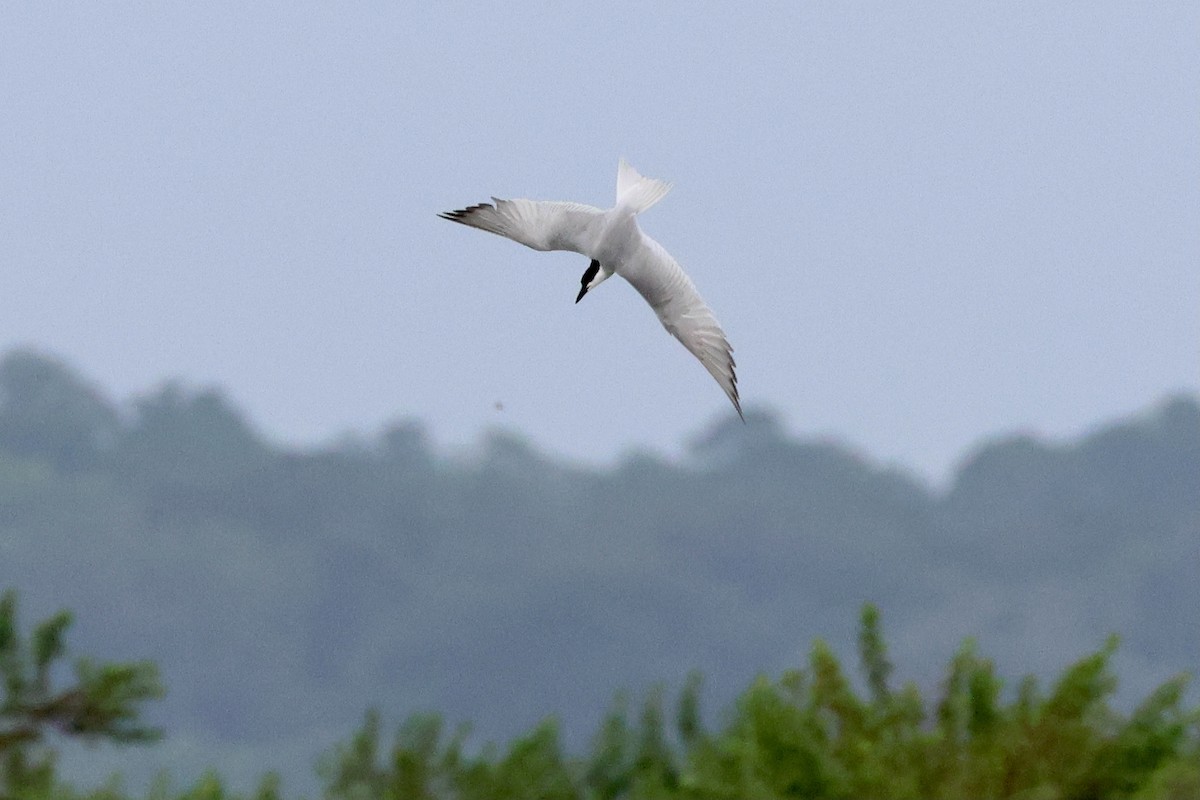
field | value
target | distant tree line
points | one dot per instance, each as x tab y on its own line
504	584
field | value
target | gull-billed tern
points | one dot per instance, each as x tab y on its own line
617	246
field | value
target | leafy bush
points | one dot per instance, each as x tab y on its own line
811	734
103	703
808	734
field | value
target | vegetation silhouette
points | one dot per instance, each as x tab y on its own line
504	585
808	734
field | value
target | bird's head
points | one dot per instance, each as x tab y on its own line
593	276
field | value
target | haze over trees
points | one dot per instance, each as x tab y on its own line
808	734
282	591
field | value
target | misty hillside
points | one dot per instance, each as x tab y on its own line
283	591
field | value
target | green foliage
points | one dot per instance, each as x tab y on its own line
104	702
423	763
811	735
208	786
873	655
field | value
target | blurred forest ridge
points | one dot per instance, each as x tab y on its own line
281	591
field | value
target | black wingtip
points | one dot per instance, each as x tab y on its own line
461	214
737	402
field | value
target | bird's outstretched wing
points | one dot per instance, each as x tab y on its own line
670	292
540	224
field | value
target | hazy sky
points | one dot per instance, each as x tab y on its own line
919	223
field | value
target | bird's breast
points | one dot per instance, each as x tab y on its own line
617	243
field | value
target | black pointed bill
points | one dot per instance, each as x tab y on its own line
588	274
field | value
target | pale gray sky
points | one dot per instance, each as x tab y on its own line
919	223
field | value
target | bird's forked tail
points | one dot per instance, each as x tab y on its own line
636	192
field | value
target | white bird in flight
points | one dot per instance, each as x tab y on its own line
616	245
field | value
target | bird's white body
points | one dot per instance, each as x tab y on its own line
616	245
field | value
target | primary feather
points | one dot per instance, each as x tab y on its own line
540	224
670	292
